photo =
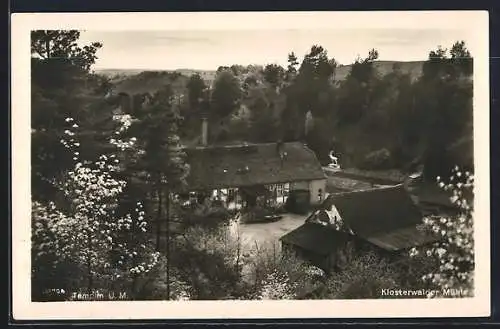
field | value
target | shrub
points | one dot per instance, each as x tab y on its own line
364	277
154	285
275	275
379	159
209	261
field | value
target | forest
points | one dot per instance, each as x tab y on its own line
108	162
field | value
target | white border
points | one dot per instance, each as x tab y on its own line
475	22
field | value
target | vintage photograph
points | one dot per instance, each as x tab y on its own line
252	164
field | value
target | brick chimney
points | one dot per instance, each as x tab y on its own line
204	131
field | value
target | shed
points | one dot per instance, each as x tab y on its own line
385	218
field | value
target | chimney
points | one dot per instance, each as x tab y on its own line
280	149
204	131
413	184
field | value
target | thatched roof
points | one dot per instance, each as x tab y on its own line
215	167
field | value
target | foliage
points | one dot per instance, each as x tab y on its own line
85	234
356	91
157	130
292	66
196	87
264	126
364	277
445	100
308	89
62	86
274	75
379	159
376	121
455	252
163	158
63	44
209	261
154	284
286	277
226	95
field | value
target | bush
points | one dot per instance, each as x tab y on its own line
209	261
364	277
154	285
211	217
275	275
377	160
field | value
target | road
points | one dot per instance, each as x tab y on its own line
267	234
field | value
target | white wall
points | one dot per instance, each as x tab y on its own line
314	187
304	185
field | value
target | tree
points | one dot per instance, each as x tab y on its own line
226	95
317	64
455	251
62	86
444	100
461	57
195	88
222	69
237	70
274	75
82	242
163	157
263	119
309	91
356	91
62	44
292	66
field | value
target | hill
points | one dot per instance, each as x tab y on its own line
139	81
149	82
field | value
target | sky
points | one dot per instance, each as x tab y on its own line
209	49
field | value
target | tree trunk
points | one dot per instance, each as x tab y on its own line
168	242
89	263
134	243
158	219
47	47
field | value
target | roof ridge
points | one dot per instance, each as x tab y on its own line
377	188
246	144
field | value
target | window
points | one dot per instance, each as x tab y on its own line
279	189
